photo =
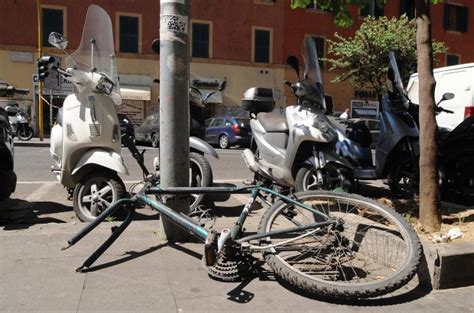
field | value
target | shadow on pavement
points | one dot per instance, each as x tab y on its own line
20	214
129	255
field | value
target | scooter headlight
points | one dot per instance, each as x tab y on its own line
322	126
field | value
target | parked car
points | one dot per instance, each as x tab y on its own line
456	79
226	131
7	175
126	126
149	130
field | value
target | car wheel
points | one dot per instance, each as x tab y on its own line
223	142
155	140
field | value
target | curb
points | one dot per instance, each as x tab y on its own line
31	144
449	264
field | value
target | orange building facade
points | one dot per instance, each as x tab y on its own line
245	42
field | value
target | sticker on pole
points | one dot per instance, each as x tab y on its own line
173	25
172	1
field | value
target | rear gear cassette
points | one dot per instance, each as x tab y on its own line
230	268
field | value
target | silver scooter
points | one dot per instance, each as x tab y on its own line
296	150
19	122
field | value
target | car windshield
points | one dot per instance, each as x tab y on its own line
96	50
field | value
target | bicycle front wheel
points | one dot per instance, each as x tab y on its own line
370	251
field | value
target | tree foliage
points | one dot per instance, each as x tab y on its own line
338	8
363	59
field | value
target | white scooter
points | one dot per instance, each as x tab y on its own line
296	150
85	142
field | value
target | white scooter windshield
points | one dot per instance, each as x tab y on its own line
312	72
96	51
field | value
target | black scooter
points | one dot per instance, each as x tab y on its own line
456	160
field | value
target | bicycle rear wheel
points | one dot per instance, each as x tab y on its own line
372	253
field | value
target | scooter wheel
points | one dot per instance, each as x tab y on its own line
95	193
200	176
25	133
334	178
402	179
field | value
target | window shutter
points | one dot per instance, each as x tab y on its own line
464	14
446	16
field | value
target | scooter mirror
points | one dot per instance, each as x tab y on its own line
293	62
448	96
57	40
155	46
223	85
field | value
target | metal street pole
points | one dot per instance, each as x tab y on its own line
174	107
40	83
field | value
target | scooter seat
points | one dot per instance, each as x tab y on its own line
273	122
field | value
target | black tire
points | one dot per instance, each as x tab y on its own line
335	178
8	179
25	133
155	140
201	176
402	178
371	253
223	142
107	188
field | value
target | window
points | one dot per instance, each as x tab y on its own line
452	59
319	42
200	40
261	44
374	8
407	7
129	34
218	122
53	21
455	17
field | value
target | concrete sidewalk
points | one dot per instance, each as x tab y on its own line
141	273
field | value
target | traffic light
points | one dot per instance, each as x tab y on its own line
43	66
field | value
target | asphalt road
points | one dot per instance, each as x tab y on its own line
33	164
38	186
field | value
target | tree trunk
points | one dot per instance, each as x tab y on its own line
429	182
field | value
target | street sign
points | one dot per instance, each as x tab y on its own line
65	87
363	108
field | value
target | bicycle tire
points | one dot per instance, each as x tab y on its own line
325	278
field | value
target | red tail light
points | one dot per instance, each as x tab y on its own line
468	112
235	128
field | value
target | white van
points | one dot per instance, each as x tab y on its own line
457	79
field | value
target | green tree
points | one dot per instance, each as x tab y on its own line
429	188
363	59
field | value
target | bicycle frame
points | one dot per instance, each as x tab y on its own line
186	222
